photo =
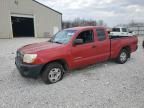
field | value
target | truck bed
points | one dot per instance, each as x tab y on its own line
115	37
118	42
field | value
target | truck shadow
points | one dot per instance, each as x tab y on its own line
87	71
97	66
17	77
91	69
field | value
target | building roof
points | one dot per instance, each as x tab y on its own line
47	7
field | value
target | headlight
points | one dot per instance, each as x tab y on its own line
29	58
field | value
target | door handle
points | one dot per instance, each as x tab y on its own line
93	46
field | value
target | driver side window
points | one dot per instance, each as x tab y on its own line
87	36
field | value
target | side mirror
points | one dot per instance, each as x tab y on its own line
78	41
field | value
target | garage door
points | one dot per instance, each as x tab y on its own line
22	26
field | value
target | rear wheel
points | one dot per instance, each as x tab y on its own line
123	56
53	73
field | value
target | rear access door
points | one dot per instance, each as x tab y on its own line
102	45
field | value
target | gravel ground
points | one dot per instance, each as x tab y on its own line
105	85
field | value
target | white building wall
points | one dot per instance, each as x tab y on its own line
5	25
45	20
21	6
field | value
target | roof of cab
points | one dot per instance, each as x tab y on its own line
85	27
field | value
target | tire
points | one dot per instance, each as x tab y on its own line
123	56
53	73
143	44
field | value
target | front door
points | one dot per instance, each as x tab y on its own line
84	54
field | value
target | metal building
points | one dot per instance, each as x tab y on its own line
138	28
28	18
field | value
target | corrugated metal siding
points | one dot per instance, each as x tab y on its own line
21	6
46	20
5	21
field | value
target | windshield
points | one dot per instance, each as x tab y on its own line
63	36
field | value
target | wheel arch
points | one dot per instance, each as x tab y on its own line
61	61
128	49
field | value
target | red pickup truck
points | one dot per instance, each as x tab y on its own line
71	49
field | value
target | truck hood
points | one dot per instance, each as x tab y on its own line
36	47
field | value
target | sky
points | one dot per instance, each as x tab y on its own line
112	12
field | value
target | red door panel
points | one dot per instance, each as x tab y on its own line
102	45
83	54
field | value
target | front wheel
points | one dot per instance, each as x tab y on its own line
123	56
53	73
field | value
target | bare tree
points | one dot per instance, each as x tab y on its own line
82	22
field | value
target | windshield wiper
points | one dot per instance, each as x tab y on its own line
57	42
50	40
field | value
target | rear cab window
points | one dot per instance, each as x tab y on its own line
101	35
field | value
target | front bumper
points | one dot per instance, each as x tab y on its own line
136	47
27	70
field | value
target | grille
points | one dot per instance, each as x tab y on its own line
19	55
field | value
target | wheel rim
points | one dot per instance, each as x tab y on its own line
54	75
123	56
